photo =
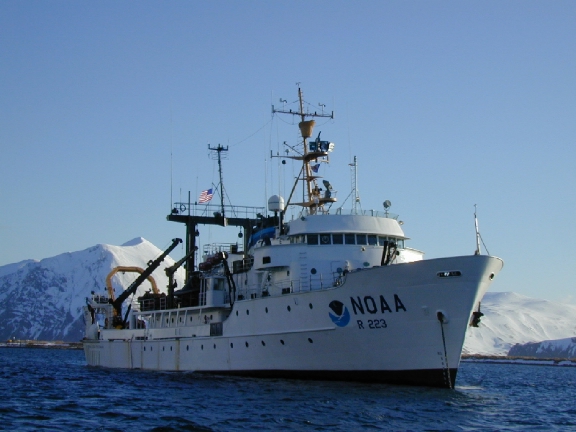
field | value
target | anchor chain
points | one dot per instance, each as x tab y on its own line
447	377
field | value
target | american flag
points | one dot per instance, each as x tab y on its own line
205	196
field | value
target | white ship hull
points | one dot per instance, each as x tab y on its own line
402	323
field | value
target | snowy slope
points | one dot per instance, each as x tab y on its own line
561	348
43	299
511	318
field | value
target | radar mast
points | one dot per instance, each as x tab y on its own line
313	199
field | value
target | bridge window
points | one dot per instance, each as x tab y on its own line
349	239
324	239
338	238
312	239
361	239
372	240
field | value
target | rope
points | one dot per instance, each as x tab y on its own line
484	244
248	137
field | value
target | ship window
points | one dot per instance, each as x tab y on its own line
266	260
349	238
310	340
246	344
281	341
381	240
289	308
337	239
231	345
372	240
325	239
297	239
187	348
312	239
263	343
361	239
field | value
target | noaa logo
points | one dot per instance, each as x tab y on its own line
341	316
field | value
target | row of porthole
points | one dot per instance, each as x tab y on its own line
266	309
231	345
180	319
158	318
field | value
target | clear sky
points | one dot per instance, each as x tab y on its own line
107	108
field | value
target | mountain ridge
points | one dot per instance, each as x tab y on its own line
43	299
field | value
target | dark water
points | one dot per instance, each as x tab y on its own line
54	390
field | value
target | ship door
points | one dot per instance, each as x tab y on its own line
338	268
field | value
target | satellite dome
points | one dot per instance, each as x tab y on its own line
275	203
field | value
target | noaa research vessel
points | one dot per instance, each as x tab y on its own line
327	295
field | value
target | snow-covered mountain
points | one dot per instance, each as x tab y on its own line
561	348
511	319
43	299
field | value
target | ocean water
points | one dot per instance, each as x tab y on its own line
54	390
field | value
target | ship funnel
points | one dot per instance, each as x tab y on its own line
306	128
276	203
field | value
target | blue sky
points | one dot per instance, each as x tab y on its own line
107	108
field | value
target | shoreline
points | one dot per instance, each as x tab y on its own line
478	358
41	344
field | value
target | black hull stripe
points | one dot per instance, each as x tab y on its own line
420	377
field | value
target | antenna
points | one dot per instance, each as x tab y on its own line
217	153
171	158
355	191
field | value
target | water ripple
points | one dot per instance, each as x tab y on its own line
53	390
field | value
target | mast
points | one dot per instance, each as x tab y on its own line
354	166
218	151
477	251
313	200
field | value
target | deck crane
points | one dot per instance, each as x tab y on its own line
152	265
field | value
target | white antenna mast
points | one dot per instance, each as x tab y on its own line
355	191
477	252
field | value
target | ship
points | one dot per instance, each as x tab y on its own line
324	295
